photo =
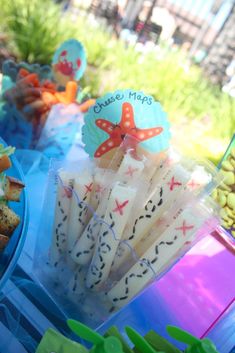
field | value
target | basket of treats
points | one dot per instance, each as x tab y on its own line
13	211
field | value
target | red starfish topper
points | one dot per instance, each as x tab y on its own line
117	132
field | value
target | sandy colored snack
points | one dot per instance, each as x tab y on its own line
222	198
232	152
232	161
229	212
231	201
3	241
226	165
215	194
12	189
225	193
8	220
5	163
225	187
228	178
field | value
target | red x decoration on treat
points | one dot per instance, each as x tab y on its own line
67	192
117	132
184	228
88	188
169	161
173	183
99	188
130	171
192	184
160	221
120	206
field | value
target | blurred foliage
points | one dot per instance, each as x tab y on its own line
35	28
203	115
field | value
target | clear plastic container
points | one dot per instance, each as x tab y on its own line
70	282
222	331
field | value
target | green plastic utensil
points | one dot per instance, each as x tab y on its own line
53	341
113	331
84	332
195	345
181	335
101	344
160	344
140	343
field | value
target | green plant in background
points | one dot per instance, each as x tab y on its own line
35	28
182	90
203	117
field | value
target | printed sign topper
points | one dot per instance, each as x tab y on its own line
69	62
124	113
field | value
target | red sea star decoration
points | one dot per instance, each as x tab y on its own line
117	132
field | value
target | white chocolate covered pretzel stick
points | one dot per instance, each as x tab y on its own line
118	210
62	208
79	214
172	184
156	258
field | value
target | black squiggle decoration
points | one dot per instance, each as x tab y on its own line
103	245
149	207
91	237
142	273
60	236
